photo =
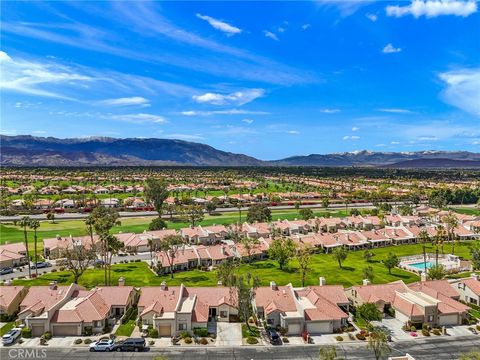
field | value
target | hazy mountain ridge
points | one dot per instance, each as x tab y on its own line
26	150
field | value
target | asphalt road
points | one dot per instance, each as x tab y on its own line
421	349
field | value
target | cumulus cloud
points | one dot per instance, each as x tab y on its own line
372	17
433	8
390	49
236	99
351	137
271	35
463	89
355	128
306	26
220	25
329	111
138	118
248	121
126	101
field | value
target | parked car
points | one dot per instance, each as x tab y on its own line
6	271
11	336
41	265
130	344
102	345
273	336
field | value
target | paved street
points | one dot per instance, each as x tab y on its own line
422	349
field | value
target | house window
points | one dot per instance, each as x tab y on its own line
223	314
430	318
98	324
182	326
270	321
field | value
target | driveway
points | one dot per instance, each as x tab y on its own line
394	327
229	334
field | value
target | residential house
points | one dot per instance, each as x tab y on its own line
10	299
12	255
382	295
468	288
183	259
54	248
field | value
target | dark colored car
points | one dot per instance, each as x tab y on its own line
130	344
273	336
6	271
41	265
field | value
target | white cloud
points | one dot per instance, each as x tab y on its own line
355	128
248	121
329	111
187	137
293	132
380	145
353	137
270	35
463	89
35	78
223	112
372	17
306	26
281	29
138	118
236	99
395	111
220	25
126	101
428	138
10	132
395	142
433	8
390	49
39	132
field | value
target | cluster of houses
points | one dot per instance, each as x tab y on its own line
322	309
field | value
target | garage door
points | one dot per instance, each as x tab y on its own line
319	327
65	330
448	319
165	330
294	329
37	330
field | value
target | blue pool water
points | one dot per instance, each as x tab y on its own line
421	265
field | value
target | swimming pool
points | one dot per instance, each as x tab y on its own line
421	265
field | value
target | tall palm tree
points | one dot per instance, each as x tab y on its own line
438	240
35	224
24	223
452	222
424	239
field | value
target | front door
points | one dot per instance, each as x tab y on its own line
213	312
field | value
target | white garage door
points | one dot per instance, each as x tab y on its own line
319	327
294	329
448	319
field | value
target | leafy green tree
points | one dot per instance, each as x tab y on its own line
51	217
194	214
391	261
259	213
157	224
78	259
368	273
340	255
378	343
369	312
245	286
304	256
35	224
306	214
368	255
354	212
24	223
171	245
156	192
436	272
328	353
211	206
325	202
282	250
249	244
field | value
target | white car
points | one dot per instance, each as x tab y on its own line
102	345
11	336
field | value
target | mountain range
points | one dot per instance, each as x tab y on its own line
26	150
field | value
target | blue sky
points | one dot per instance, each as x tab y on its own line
268	79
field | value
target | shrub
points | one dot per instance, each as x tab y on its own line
184	334
478	327
360	336
87	341
188	340
285	340
26	333
54	270
47	335
252	340
61	268
203	341
78	341
138	260
282	331
153	333
413	328
20	341
200	331
436	332
425	332
151	343
339	338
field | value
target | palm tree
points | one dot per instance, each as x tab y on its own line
452	222
24	223
424	238
438	240
35	224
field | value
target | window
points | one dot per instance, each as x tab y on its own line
223	314
430	318
182	326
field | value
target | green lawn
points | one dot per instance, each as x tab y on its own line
252	332
126	329
467	211
7	327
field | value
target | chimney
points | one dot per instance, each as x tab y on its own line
423	276
121	281
475	276
321	281
53	285
219	283
163	286
273	285
366	282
